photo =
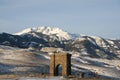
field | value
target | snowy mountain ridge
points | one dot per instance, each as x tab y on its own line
54	37
51	31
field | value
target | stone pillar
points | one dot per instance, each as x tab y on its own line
52	65
63	59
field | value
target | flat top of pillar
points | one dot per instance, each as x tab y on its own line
61	53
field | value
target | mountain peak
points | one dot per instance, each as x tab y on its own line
51	31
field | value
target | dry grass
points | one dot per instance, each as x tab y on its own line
89	79
8	76
13	76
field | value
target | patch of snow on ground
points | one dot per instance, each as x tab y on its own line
78	59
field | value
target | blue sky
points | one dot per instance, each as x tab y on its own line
90	17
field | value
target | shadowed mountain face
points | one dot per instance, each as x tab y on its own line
87	48
54	37
28	40
23	41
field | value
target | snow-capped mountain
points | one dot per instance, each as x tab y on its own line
54	37
51	31
95	47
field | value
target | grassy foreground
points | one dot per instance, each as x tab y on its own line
39	76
